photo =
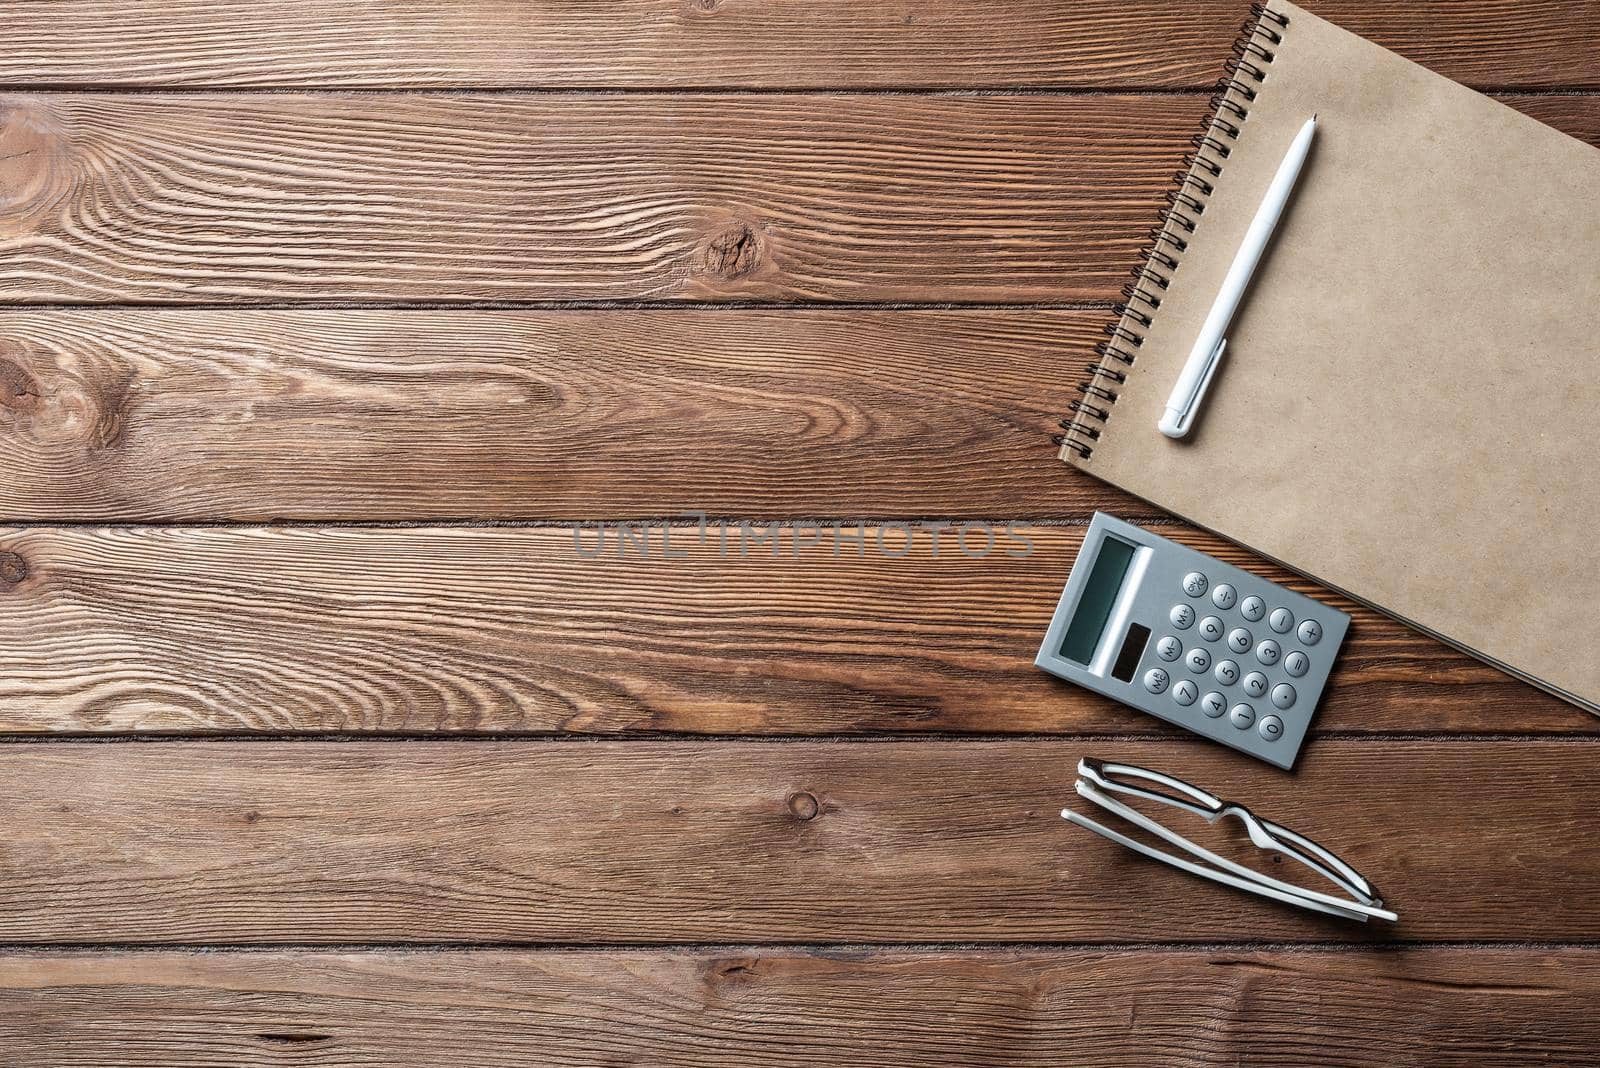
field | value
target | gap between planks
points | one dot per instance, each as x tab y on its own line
24	950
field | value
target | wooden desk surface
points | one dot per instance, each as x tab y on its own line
336	731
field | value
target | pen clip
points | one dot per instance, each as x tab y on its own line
1185	419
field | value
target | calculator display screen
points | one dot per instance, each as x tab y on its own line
1099	597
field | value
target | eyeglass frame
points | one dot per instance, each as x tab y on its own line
1098	779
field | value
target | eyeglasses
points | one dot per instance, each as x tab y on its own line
1098	779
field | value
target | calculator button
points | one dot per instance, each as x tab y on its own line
1271	728
1252	608
1310	632
1198	660
1156	680
1239	640
1282	695
1255	684
1268	652
1213	704
1241	715
1281	620
1297	663
1224	596
1182	616
1169	648
1227	672
1194	584
1211	628
1185	692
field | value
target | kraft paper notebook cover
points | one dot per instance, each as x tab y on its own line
1409	405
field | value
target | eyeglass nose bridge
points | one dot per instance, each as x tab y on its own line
1327	863
1259	835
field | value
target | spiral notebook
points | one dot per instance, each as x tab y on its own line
1409	406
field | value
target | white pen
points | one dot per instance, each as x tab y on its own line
1207	352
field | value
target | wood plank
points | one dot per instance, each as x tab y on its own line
652	842
746	44
743	1006
517	629
177	199
186	415
156	198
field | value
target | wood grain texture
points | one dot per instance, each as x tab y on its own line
187	415
174	199
516	629
1419	1008
666	193
746	43
690	841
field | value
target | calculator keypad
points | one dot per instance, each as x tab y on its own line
1267	652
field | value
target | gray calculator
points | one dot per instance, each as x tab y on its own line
1200	643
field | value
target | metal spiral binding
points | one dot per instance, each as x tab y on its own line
1253	53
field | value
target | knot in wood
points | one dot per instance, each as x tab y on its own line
19	390
803	806
704	7
46	403
13	569
35	162
733	252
